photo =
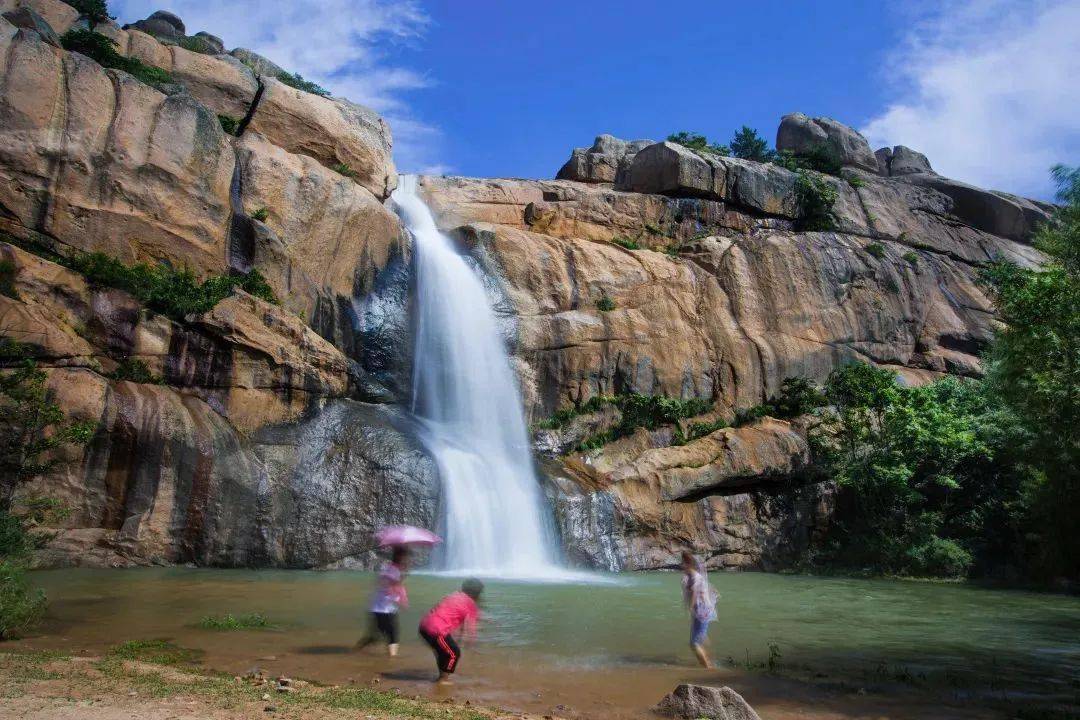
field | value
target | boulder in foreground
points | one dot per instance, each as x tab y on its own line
701	701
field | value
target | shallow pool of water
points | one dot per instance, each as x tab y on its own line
616	645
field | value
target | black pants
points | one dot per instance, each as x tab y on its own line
447	652
384	624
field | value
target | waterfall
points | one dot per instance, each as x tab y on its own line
467	398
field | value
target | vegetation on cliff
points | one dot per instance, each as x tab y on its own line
32	428
102	50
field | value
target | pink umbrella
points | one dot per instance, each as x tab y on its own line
405	535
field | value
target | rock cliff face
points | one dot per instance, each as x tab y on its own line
278	435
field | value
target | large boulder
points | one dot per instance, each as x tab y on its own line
58	15
258	64
802	135
901	160
691	702
163	25
27	18
336	132
603	162
996	213
668	168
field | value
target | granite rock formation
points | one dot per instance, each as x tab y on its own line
278	434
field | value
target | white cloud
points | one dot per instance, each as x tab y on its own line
987	89
337	43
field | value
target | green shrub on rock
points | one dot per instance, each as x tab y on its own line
876	249
229	124
815	196
605	304
297	81
699	143
102	50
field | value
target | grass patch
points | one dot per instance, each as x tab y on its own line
625	242
102	50
912	257
698	430
644	411
247	621
158	652
135	370
297	81
261	214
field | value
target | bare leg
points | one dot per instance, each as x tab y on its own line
444	679
392	648
702	656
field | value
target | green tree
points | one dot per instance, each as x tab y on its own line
926	484
748	145
32	426
1034	366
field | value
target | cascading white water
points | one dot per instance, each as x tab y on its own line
467	396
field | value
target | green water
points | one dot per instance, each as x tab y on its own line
984	640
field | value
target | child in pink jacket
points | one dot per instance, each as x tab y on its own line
453	611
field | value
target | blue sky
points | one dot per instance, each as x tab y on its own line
986	88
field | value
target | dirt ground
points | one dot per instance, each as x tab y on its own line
45	686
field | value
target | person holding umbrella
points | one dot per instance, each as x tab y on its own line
390	594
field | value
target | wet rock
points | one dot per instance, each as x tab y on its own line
803	135
700	701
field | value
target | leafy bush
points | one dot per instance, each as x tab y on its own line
638	411
699	430
175	293
815	197
101	49
261	214
298	82
927	479
876	249
699	143
605	304
229	124
96	11
748	145
135	370
31	427
820	159
912	257
248	621
625	242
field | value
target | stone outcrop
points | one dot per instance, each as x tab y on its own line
803	135
277	434
604	162
690	702
59	15
901	160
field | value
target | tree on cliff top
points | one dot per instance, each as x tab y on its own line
748	145
1034	366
